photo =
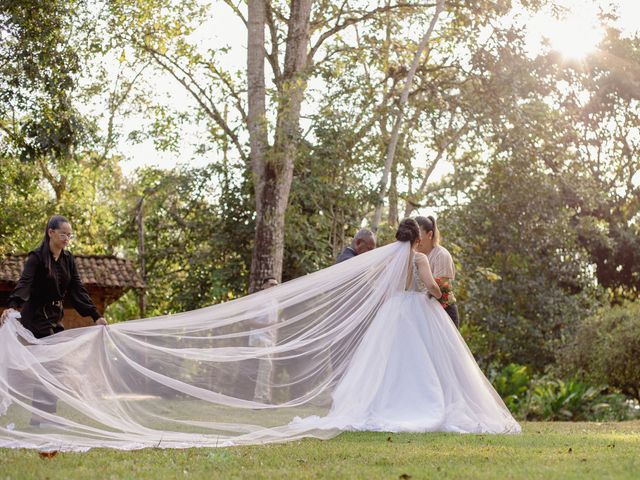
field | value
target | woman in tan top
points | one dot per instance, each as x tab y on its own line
440	259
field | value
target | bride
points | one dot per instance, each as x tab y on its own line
413	371
356	346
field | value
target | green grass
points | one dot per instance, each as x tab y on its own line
543	450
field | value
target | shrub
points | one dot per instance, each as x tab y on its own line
512	384
549	398
553	399
606	349
615	407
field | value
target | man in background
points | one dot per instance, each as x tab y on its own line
363	241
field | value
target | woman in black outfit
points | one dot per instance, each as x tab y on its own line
49	276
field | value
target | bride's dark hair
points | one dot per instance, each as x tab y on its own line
408	231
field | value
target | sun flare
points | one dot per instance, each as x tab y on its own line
574	34
575	38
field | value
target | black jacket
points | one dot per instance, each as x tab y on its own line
40	296
346	254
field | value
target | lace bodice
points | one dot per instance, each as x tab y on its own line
415	283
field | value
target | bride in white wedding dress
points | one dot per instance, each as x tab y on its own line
413	371
356	346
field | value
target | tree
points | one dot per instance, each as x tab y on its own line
196	222
523	280
601	99
55	158
39	70
273	167
545	201
158	30
393	141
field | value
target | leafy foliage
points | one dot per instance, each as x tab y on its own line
562	400
197	236
606	348
524	280
512	384
541	210
548	398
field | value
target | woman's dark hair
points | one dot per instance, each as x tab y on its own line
408	231
53	223
428	224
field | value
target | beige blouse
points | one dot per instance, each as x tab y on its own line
441	263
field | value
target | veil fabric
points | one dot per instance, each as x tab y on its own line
230	374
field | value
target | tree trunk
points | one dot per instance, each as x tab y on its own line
142	303
258	141
391	149
273	169
393	196
256	92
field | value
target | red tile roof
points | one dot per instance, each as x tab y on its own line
95	270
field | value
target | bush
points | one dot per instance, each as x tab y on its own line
548	398
573	400
615	407
606	349
512	384
553	399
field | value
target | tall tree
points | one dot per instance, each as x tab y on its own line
39	75
299	41
53	147
273	166
395	132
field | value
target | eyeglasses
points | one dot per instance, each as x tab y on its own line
68	236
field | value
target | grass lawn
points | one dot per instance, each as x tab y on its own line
544	450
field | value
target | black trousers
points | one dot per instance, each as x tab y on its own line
42	399
452	310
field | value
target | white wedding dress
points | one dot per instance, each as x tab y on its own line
413	372
355	346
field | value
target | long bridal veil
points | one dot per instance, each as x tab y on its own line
231	374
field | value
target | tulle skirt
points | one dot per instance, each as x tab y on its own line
413	372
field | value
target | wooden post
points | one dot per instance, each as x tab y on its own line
140	223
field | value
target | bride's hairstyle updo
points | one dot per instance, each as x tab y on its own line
408	231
